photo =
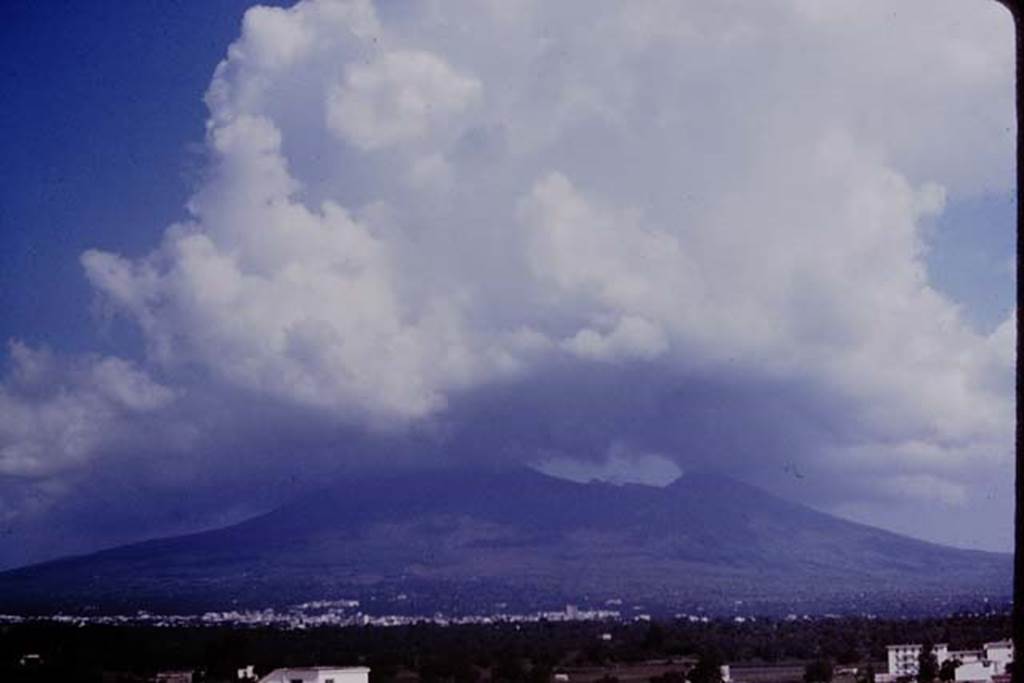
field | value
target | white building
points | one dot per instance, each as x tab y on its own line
977	671
31	659
173	677
974	666
981	665
1000	653
966	656
903	659
318	674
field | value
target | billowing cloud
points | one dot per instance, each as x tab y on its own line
621	465
397	98
718	208
55	414
59	419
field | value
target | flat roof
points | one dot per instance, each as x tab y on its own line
895	647
346	669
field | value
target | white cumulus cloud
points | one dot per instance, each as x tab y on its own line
56	414
397	98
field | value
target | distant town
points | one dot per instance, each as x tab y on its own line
319	614
349	612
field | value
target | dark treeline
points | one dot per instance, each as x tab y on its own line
524	652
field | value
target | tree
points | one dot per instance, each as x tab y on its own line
848	654
540	672
819	671
669	677
463	670
947	672
927	664
654	639
866	674
708	668
508	668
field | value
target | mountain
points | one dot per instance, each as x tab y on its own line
463	542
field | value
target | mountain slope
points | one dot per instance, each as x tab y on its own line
463	541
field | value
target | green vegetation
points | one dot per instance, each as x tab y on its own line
819	671
927	663
465	654
708	667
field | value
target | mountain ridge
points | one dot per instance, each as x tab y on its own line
464	540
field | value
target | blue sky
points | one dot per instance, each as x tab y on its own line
104	119
973	256
499	231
